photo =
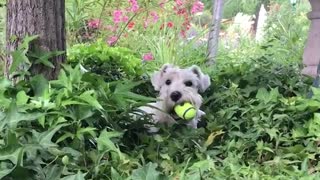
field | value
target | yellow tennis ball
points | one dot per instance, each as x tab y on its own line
185	111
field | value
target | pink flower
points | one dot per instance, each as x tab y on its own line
94	23
197	7
179	2
145	24
134	5
117	16
125	18
135	8
112	40
148	57
155	16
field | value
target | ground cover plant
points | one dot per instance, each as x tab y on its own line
260	122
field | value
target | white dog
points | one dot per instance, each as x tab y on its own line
176	86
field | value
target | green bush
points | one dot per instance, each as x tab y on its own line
259	125
72	126
286	31
114	63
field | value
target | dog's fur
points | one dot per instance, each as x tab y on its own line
176	86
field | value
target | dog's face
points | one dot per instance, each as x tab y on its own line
180	85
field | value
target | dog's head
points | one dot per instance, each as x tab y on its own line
180	85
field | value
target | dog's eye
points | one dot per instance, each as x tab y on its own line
188	83
168	82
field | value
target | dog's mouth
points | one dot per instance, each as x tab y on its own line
174	115
172	112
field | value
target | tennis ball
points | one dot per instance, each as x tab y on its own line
185	111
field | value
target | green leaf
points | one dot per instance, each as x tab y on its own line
89	130
104	141
26	42
44	139
5	171
147	172
115	175
40	86
53	172
63	81
78	176
43	57
4	84
22	98
314	125
202	166
299	132
87	97
18	57
12	152
273	133
13	117
266	96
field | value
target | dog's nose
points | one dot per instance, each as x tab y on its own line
175	96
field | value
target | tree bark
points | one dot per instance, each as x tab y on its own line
214	31
45	18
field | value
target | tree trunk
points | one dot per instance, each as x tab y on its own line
214	31
45	18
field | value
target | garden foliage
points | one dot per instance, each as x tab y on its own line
260	122
113	63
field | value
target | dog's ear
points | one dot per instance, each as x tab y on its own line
204	80
156	78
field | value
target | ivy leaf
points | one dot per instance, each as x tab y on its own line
4	84
44	139
12	152
18	57
53	172
89	130
314	125
115	175
78	176
40	86
104	141
22	98
13	117
266	96
147	172
87	97
202	166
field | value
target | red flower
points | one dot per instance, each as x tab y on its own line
170	24
131	25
